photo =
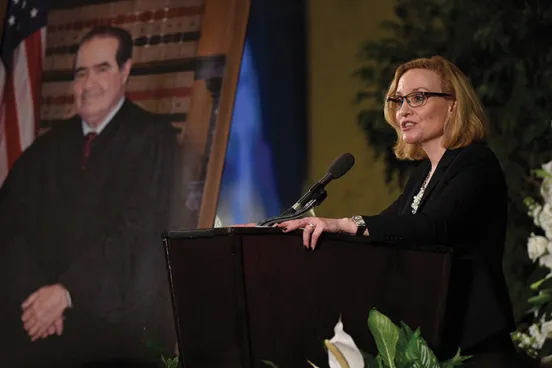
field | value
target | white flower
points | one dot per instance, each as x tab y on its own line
526	341
534	212
545	219
546	189
538	337
546	261
548	246
522	340
547	167
536	246
546	329
342	350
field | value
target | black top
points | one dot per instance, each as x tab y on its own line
97	231
464	206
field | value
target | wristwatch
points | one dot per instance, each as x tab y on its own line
360	223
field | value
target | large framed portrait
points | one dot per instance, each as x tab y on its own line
186	58
114	121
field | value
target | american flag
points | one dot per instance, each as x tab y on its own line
21	54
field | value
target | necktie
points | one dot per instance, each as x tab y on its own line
87	148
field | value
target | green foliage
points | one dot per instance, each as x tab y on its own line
370	361
269	363
156	351
386	335
402	347
456	361
398	347
170	363
418	354
504	48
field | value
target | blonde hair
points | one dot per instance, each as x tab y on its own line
468	121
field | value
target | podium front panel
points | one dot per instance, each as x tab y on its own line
246	296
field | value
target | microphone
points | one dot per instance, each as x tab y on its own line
317	193
337	169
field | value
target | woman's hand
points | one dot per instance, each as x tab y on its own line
315	226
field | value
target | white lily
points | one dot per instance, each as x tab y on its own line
537	246
342	350
547	167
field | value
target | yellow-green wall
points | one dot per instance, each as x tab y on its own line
337	29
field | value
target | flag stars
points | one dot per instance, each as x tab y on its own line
24	18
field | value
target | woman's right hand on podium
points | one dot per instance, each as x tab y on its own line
313	227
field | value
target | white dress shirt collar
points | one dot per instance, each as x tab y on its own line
86	128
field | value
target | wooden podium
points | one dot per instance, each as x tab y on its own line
243	295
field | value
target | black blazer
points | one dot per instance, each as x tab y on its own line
464	206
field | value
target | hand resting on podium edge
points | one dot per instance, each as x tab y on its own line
313	227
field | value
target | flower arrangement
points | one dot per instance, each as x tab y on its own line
398	347
535	338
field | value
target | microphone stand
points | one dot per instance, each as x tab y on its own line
317	198
314	192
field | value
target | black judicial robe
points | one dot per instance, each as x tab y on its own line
94	230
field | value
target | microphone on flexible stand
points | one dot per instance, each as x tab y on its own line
316	194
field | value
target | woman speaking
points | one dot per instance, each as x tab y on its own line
456	197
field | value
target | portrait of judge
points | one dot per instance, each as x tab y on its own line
81	217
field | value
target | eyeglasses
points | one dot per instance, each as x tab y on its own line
414	99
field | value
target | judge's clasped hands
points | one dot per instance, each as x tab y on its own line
43	311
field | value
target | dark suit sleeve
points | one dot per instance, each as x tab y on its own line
475	184
115	279
18	192
394	208
18	216
12	207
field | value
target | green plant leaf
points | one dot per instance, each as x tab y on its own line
171	362
456	361
380	361
312	364
419	354
270	364
543	298
541	174
175	363
538	274
537	285
386	335
369	360
405	335
546	310
543	284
